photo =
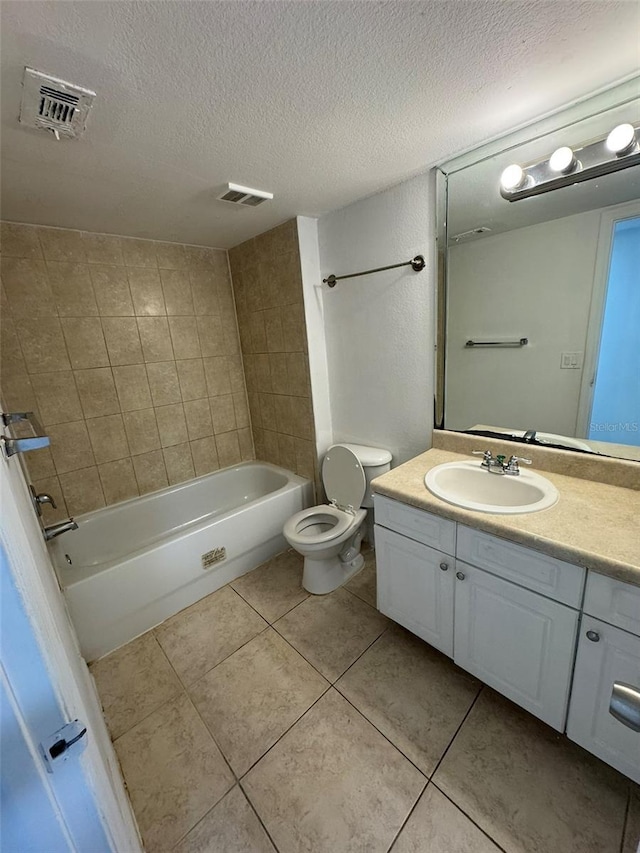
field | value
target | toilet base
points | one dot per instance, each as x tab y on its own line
322	576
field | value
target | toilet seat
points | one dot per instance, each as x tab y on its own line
298	527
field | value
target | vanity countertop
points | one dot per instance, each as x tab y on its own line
594	524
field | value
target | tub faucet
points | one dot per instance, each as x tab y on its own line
57	529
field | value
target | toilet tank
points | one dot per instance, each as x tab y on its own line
375	461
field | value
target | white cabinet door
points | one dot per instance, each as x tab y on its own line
415	587
606	655
516	641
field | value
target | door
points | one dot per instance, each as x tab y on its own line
606	656
415	587
81	805
610	389
516	641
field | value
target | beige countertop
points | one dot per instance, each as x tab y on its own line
593	524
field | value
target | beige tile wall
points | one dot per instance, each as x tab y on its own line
267	283
128	350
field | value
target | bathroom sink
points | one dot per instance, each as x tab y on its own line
468	485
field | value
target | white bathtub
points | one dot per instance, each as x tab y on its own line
132	565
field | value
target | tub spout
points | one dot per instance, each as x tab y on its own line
57	529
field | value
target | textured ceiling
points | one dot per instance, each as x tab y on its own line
320	103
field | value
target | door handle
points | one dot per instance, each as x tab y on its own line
625	705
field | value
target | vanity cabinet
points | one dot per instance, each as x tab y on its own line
505	613
516	641
415	587
608	656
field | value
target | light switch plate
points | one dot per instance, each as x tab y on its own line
571	360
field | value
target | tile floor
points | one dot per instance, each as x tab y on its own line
263	719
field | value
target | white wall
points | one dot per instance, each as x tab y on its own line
314	322
379	329
533	282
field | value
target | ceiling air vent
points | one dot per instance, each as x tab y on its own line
236	194
54	105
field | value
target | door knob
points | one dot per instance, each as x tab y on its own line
460	576
593	636
444	566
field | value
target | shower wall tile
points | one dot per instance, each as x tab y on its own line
198	418
142	431
267	283
70	446
118	481
150	471
108	438
205	455
176	288
163	382
57	397
82	490
154	335
85	342
193	385
43	345
132	386
97	392
19	241
61	244
179	463
128	350
72	289
146	291
102	248
111	290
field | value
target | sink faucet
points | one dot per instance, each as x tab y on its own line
57	529
493	464
497	465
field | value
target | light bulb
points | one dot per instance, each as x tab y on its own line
562	160
512	178
621	139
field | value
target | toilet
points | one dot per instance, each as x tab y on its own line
329	536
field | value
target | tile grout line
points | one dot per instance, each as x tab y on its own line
474	822
457	732
433	772
255	811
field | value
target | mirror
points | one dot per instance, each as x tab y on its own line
539	312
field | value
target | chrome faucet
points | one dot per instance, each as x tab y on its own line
497	465
57	529
512	466
493	464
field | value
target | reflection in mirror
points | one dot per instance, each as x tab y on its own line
542	332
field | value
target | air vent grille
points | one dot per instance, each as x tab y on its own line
236	194
54	105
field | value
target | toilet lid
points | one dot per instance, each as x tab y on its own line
343	477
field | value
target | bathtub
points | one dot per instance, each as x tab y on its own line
131	565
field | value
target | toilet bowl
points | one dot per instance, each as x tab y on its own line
329	536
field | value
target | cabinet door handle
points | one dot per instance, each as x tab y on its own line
444	566
625	705
460	576
593	636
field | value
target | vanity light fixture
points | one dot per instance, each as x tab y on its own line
621	140
563	160
566	166
513	177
